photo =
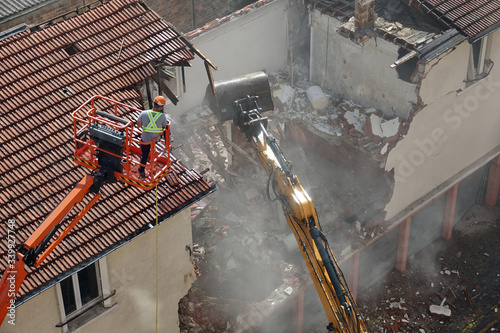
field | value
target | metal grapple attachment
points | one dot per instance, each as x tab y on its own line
239	94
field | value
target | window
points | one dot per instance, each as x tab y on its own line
170	83
479	60
83	296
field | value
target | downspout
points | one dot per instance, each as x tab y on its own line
194	15
311	58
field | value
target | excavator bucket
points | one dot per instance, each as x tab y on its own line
224	104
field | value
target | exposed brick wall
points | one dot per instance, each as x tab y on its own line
44	13
176	12
180	12
185	15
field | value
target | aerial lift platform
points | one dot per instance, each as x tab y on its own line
107	144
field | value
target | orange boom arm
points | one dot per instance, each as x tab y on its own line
36	248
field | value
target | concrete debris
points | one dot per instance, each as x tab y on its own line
440	310
251	193
384	148
285	93
245	229
317	98
437	302
356	119
384	128
390	127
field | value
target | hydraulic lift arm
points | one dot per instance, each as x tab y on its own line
242	100
39	245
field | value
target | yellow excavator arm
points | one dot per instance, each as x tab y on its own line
242	100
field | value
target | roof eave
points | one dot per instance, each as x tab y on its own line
484	33
443	43
148	226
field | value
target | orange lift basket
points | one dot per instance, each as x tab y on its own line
105	140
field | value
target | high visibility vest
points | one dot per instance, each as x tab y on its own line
151	128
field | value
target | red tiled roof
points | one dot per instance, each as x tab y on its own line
472	17
44	76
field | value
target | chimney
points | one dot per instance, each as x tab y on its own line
364	16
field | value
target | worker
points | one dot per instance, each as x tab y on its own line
152	122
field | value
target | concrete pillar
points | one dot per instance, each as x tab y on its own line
493	185
404	236
449	211
364	16
353	276
298	312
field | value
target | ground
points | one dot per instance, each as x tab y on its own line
463	271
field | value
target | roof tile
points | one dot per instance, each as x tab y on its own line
36	129
472	17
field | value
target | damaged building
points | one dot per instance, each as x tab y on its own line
407	86
102	275
387	110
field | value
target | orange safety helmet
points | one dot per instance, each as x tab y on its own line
160	100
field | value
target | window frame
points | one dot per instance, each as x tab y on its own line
484	63
104	293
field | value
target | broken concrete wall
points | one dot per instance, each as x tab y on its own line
252	42
457	127
358	70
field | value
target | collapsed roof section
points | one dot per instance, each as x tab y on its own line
422	27
46	72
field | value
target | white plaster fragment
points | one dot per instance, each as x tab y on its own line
384	148
440	310
376	125
356	119
288	290
390	127
287	95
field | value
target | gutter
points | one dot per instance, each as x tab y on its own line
485	33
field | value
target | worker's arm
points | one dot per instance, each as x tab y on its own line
39	245
139	120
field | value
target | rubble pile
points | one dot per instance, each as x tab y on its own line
197	314
242	233
450	287
363	127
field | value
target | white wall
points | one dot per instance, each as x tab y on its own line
254	42
358	72
132	271
457	127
